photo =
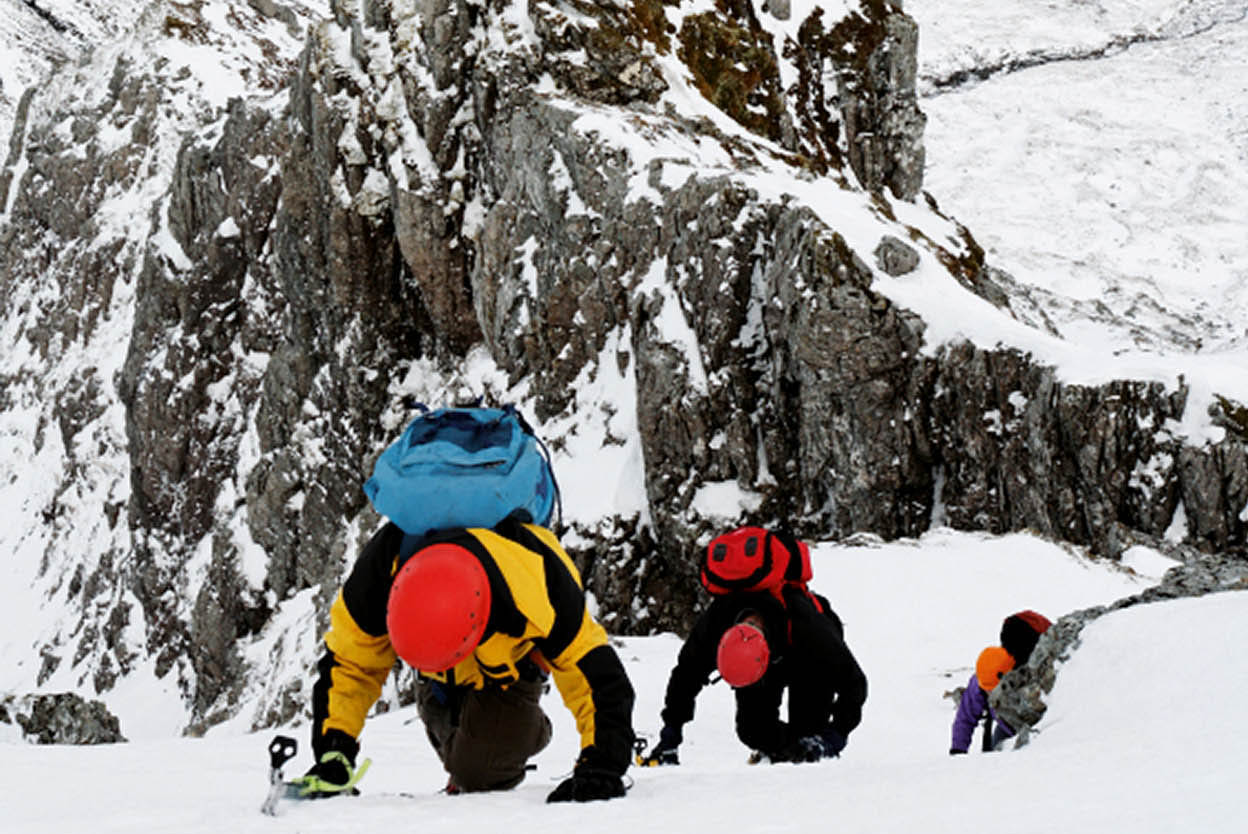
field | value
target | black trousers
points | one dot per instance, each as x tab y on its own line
485	737
758	721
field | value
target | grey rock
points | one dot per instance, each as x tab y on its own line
895	257
779	9
877	62
63	718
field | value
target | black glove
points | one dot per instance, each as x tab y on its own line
590	781
334	773
664	753
833	743
804	749
812	748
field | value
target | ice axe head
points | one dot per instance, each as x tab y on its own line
281	750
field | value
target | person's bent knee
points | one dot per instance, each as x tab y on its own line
754	736
473	773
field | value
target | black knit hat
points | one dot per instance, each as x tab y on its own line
1020	632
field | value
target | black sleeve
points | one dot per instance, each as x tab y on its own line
365	594
613	708
333	739
851	694
758	716
693	669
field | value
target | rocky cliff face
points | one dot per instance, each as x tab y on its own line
560	194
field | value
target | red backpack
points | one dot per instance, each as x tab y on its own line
756	559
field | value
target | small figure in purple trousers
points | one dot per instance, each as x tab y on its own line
1019	634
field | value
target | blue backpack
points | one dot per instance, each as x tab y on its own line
464	467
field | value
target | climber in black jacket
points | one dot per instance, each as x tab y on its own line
763	645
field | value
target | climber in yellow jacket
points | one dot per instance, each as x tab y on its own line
484	616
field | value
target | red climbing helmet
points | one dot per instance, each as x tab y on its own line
743	655
439	605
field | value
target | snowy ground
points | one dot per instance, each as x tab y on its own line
1112	177
1144	731
37	36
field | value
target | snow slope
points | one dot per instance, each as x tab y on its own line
1119	749
37	36
1110	179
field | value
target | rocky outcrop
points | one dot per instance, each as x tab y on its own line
1017	449
1019	698
447	200
875	56
128	356
867	120
64	718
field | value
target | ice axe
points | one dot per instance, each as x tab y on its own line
281	750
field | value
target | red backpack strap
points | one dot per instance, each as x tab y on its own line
798	570
797	557
814	600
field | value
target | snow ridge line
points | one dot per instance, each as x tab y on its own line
61	26
933	86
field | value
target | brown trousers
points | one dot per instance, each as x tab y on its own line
485	737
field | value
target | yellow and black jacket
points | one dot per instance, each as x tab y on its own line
537	605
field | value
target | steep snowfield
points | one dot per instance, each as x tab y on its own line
1143	733
35	37
1114	187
